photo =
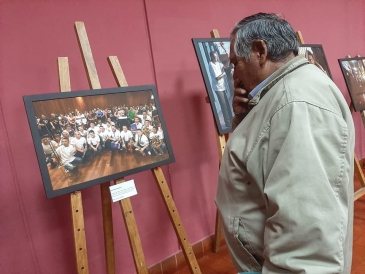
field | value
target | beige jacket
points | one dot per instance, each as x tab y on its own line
285	191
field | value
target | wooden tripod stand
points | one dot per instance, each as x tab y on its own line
126	206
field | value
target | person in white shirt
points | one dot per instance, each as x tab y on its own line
144	117
126	137
94	142
136	125
82	131
108	126
147	125
216	70
113	140
103	135
65	135
66	154
157	142
49	146
79	142
93	128
141	143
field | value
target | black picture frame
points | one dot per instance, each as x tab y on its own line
89	100
220	101
203	48
315	55
353	70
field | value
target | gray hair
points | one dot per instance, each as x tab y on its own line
277	33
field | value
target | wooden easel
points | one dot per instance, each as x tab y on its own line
359	193
358	169
221	143
77	212
126	206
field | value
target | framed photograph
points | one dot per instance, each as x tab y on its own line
217	71
315	55
85	138
353	70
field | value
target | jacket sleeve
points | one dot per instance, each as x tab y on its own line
308	190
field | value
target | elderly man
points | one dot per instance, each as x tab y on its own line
285	192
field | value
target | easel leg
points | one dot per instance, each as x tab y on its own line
221	142
79	233
218	233
108	228
360	175
176	221
133	236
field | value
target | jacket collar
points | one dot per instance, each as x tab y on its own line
288	67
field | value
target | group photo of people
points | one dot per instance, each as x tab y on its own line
218	77
99	135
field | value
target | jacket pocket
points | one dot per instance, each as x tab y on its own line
246	251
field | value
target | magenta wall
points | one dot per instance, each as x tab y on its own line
152	40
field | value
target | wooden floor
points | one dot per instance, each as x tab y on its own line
102	164
220	263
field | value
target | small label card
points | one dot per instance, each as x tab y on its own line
123	190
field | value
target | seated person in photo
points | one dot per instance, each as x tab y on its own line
91	117
55	123
57	139
136	125
131	114
103	135
108	126
126	137
94	143
147	125
122	119
44	125
113	139
144	117
64	135
70	130
66	154
100	114
80	119
49	147
141	143
79	142
82	131
92	127
72	120
63	121
157	142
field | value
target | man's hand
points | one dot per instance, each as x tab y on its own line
239	103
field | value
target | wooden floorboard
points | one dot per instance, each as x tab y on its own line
102	164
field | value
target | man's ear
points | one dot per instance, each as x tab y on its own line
259	51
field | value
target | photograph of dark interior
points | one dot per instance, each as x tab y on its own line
91	137
217	71
353	70
315	55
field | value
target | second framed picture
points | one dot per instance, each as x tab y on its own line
353	70
217	71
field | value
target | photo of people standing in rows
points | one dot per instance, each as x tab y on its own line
85	138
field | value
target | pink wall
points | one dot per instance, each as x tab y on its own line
152	40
